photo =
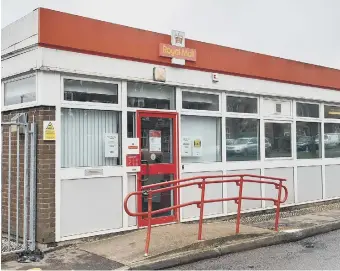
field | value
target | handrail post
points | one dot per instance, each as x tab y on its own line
200	223
239	204
148	235
278	202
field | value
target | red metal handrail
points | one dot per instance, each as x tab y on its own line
202	181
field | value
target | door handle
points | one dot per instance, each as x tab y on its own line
146	162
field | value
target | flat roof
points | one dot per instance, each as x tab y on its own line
89	36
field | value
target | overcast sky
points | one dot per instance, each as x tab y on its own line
303	30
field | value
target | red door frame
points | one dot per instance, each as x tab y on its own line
157	168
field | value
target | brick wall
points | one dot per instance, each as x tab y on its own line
45	159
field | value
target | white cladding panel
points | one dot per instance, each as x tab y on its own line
25	62
332	181
193	193
249	190
20	34
271	192
124	69
91	205
309	181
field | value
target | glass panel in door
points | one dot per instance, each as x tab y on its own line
156	140
159	200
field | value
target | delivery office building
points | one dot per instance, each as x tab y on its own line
114	95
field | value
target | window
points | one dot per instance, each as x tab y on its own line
201	139
150	96
332	112
278	138
200	101
131	124
90	138
308	144
241	104
307	110
276	108
243	142
20	91
332	140
88	91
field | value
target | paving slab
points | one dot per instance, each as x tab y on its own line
69	258
303	221
129	248
332	213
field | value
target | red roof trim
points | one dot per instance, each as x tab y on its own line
74	33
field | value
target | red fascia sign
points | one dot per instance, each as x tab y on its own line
167	50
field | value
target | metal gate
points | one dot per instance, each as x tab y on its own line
18	187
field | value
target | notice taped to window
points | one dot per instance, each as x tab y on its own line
197	146
111	143
155	141
49	130
186	148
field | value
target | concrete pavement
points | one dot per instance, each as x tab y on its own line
177	244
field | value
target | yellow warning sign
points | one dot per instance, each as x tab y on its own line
49	130
197	143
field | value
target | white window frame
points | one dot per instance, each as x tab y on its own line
240	115
79	172
185	111
243	113
195	167
292	132
19	105
324	115
307	118
91	105
321	145
245	116
135	109
328	160
278	116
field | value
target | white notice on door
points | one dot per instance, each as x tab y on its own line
186	148
111	145
155	141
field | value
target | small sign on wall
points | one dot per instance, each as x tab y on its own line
191	146
159	74
197	146
111	144
133	160
94	171
49	130
186	148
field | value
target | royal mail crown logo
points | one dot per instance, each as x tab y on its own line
178	38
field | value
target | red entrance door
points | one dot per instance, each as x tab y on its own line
158	148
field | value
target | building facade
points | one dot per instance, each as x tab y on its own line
189	108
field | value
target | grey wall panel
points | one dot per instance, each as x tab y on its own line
90	205
271	192
132	204
193	193
309	183
249	189
332	181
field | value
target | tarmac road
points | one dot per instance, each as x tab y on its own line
320	252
